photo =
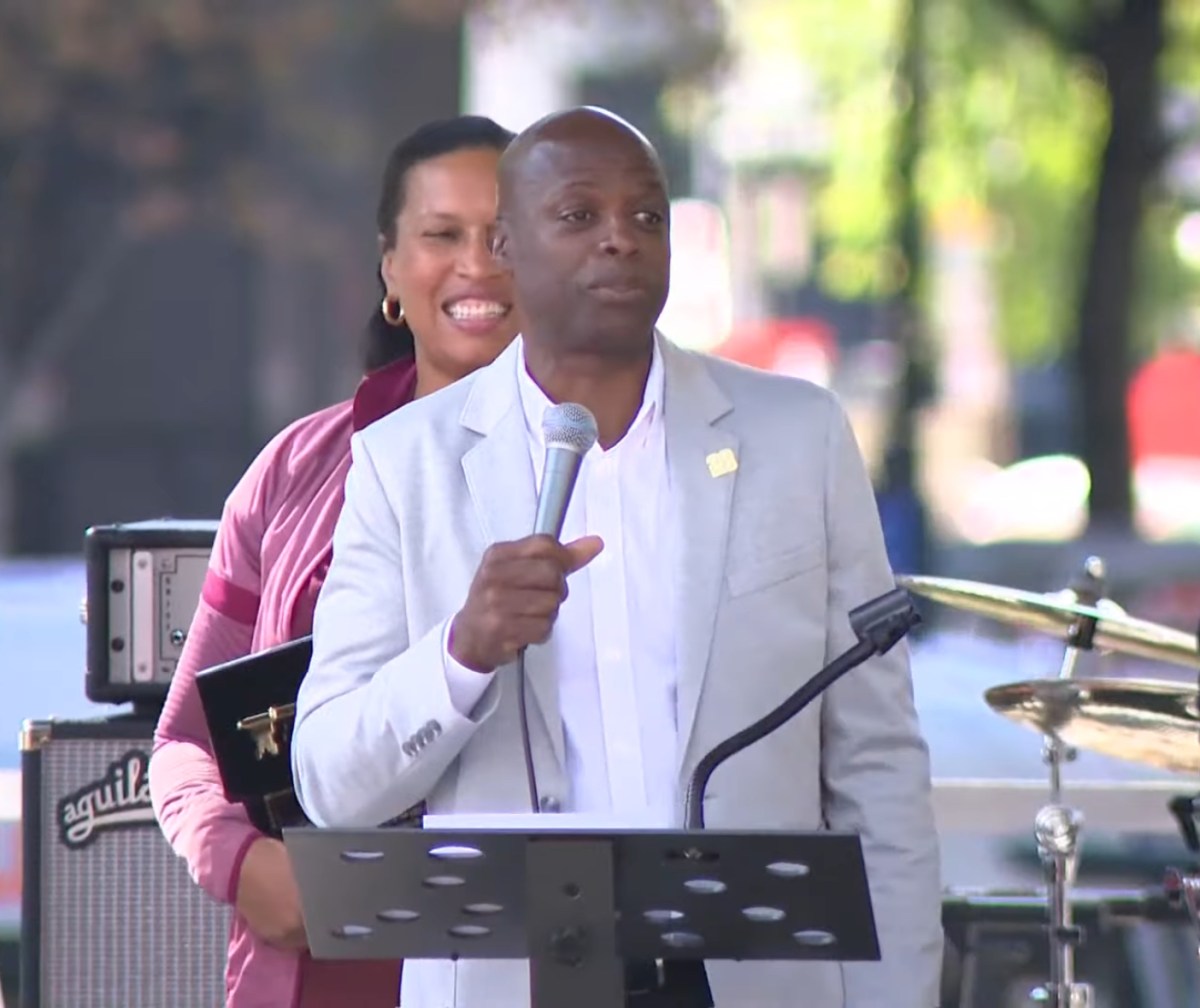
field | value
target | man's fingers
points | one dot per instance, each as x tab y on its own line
527	602
582	552
534	573
523	631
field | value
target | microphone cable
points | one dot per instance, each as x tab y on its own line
526	747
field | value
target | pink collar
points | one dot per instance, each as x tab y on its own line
384	391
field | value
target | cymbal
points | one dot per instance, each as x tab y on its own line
1148	721
1056	614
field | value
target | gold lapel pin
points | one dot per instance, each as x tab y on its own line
721	463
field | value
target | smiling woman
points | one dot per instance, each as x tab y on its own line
446	310
437	269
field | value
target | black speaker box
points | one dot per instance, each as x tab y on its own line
109	916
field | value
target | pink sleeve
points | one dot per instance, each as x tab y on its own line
210	833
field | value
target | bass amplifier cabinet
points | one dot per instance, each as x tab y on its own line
110	917
143	584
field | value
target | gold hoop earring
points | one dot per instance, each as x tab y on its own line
393	311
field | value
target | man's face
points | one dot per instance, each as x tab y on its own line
587	237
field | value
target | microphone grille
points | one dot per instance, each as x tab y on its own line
569	425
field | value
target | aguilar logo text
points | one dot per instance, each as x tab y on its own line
119	800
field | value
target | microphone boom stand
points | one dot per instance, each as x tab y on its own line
879	625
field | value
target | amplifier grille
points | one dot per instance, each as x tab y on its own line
122	924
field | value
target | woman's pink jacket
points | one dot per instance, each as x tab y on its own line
268	561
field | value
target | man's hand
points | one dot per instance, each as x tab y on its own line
267	896
514	598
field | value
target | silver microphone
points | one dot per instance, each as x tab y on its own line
569	431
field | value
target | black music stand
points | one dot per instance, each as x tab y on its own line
577	904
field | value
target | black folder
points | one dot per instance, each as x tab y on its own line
249	703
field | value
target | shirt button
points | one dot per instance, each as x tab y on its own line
548	803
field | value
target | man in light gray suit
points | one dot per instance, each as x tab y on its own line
719	533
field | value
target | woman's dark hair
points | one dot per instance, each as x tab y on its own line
386	343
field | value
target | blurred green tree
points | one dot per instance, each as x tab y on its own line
1050	120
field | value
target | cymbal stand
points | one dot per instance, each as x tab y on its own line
1183	887
1057	827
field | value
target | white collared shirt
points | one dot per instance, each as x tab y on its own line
613	645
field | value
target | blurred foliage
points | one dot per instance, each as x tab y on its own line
1014	127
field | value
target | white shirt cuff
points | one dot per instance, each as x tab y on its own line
466	685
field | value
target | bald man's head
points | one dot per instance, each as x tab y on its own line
583	225
584	125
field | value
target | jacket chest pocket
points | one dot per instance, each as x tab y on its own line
752	573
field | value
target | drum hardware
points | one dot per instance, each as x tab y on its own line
1149	721
270	729
1058	615
1185	809
1152	722
1183	887
1083	620
1056	830
1057	826
995	939
1105	907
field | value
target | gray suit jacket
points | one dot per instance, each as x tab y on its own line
772	556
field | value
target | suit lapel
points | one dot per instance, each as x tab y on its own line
499	475
500	479
702	462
